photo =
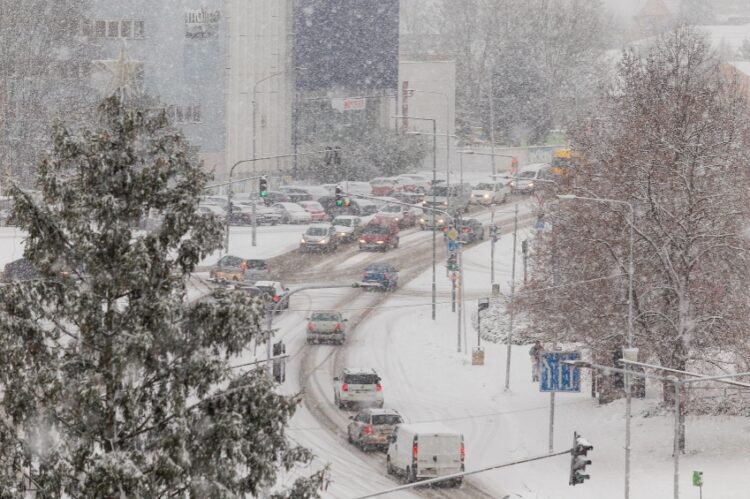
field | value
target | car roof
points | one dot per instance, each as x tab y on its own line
325	312
380	264
319	226
375	411
427	428
359	370
533	167
346	217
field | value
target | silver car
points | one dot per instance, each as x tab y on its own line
326	326
373	428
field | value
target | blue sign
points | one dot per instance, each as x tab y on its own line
452	245
539	225
555	376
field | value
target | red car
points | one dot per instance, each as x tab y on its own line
316	211
379	235
404	216
383	186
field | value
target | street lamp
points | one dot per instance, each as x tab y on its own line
447	129
434	181
631	272
255	106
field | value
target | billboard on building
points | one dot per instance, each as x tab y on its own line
346	44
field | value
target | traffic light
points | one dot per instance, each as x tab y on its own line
336	156
263	187
452	262
578	461
339	196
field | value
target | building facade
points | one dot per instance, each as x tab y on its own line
178	49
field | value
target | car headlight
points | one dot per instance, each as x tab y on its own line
486	196
422	220
302	241
440	221
512	183
531	184
342	233
323	241
380	242
362	241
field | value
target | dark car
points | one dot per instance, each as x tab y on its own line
276	292
472	230
273	197
382	275
296	194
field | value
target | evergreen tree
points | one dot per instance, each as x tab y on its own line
114	383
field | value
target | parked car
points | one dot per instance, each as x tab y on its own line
316	191
409	197
363	207
326	326
276	292
487	193
441	222
472	230
237	269
425	450
527	180
383	186
352	187
348	227
316	211
292	213
296	194
274	197
357	387
212	209
373	428
379	235
319	237
381	275
411	182
404	216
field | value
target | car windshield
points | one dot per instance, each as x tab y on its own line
257	264
376	229
378	419
528	174
326	316
316	231
361	379
346	222
486	187
438	191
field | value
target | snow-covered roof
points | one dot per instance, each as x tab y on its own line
728	36
359	370
439	428
741	66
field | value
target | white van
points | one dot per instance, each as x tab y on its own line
530	175
453	198
426	450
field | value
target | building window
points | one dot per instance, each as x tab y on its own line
112	29
184	114
100	30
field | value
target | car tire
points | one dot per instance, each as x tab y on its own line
457	482
411	475
396	244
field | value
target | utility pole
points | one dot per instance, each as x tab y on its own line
512	294
459	222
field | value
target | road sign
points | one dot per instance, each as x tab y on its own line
452	234
452	245
349	104
559	377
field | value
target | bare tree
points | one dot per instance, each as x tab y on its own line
43	75
672	139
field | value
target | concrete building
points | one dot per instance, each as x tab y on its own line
177	49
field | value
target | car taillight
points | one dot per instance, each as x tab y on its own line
463	452
344	387
338	326
276	298
380	387
415	451
310	326
466	230
367	430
